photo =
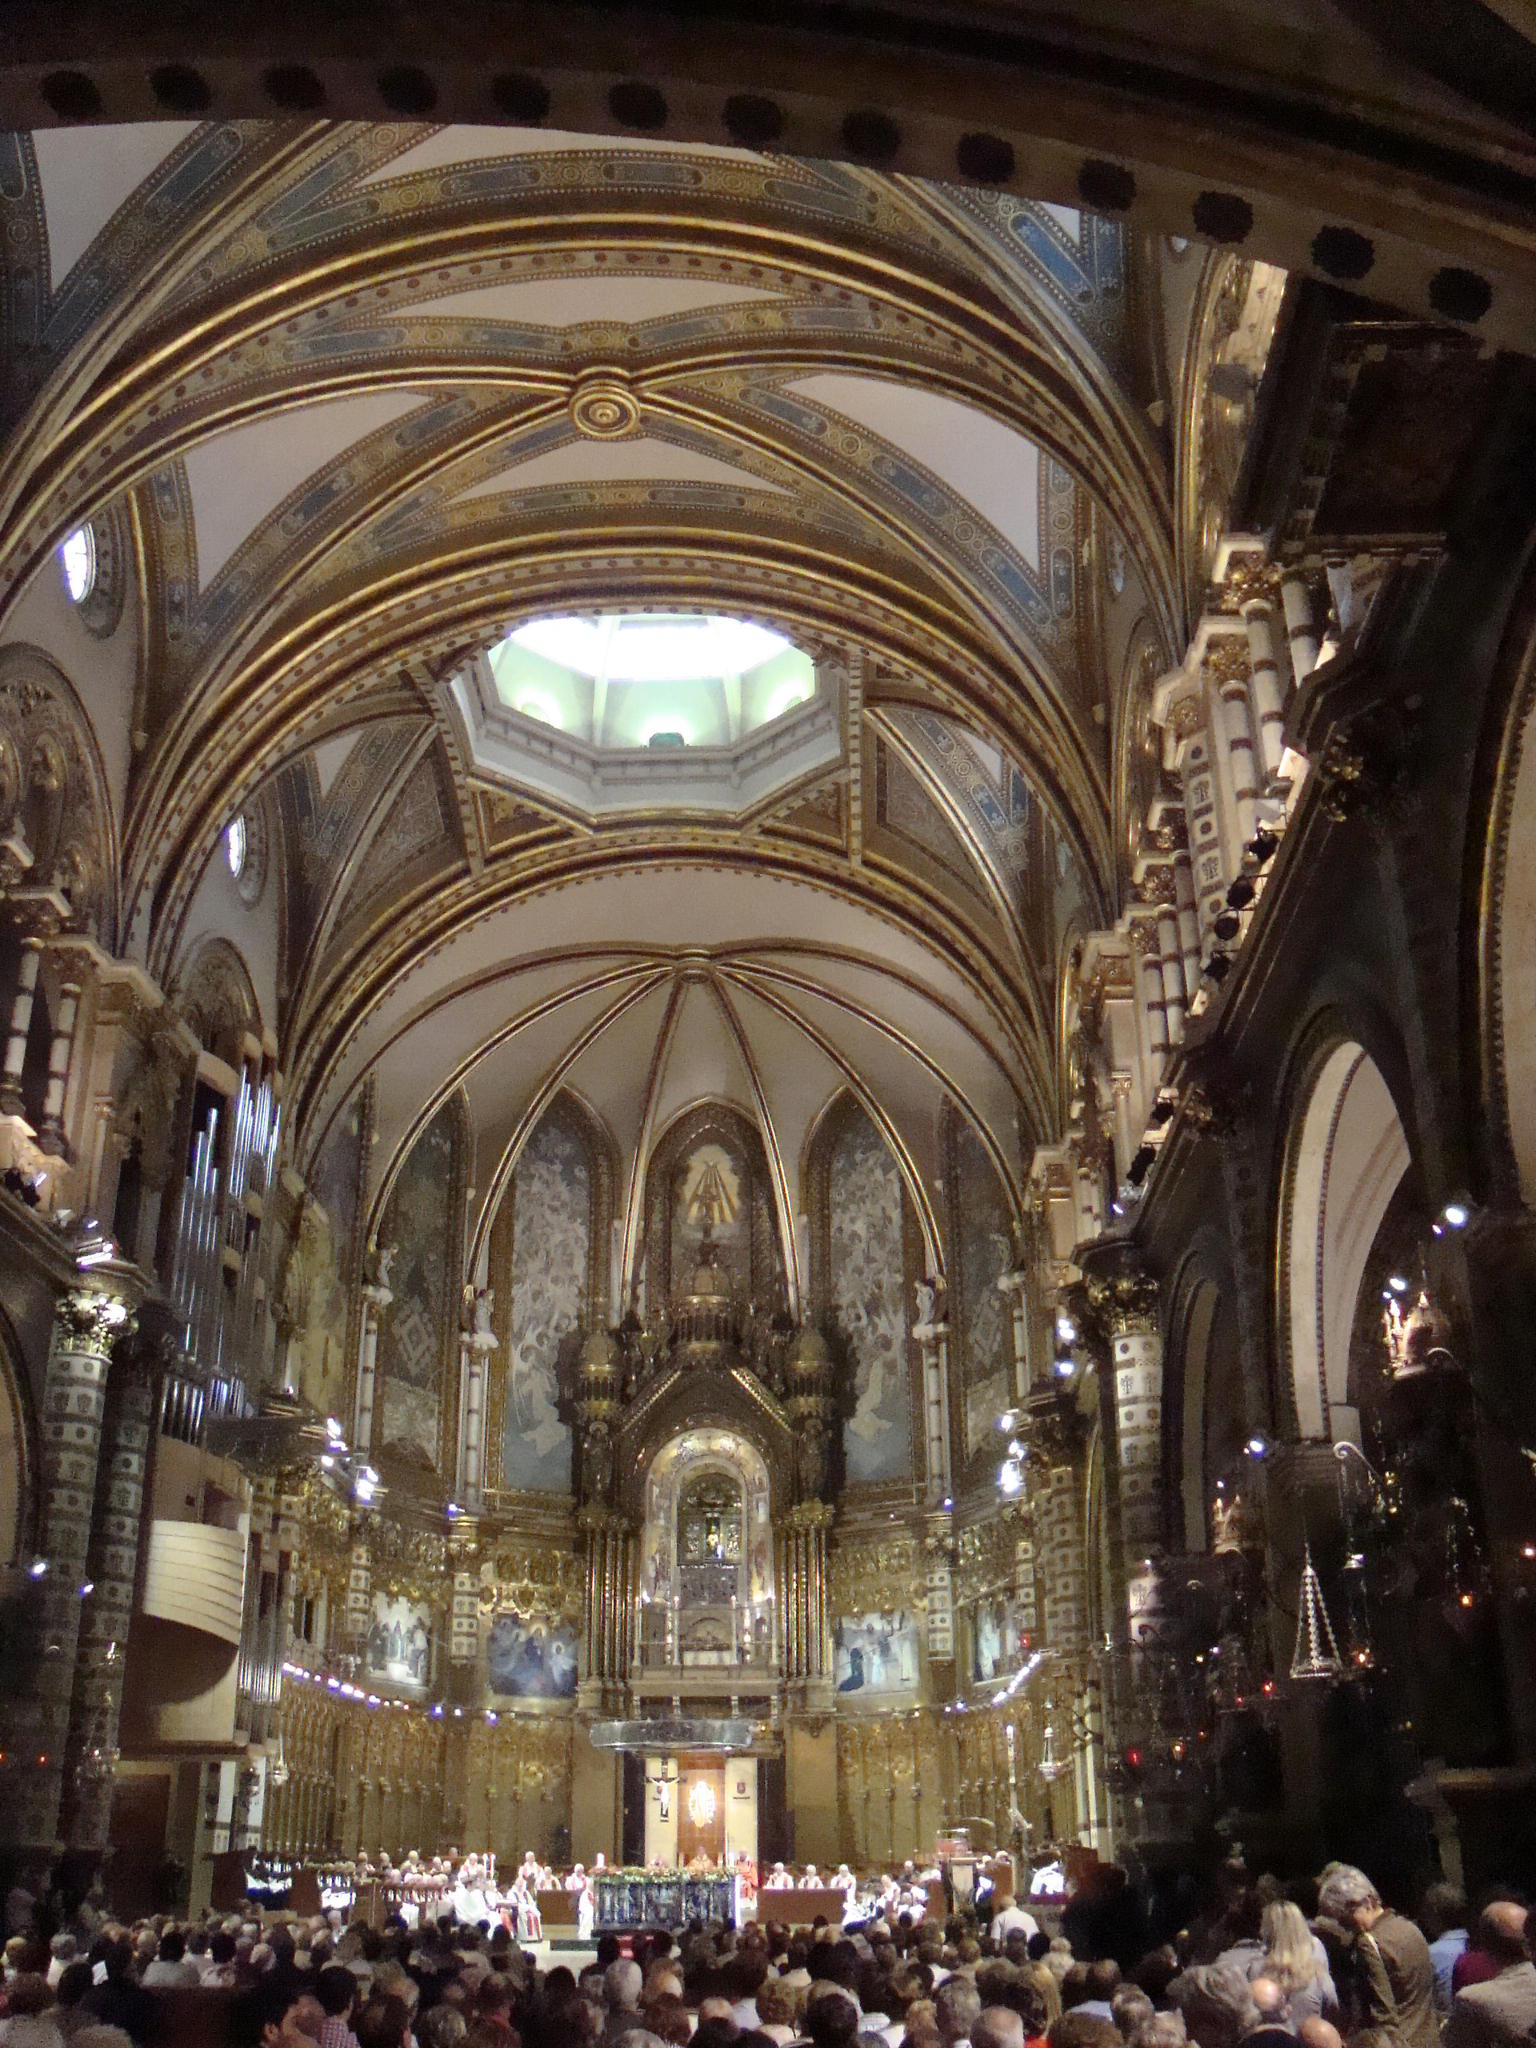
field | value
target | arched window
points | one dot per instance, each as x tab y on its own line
77	558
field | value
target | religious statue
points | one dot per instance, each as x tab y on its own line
811	1463
478	1307
378	1263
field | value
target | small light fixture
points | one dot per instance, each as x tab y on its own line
1066	1329
1456	1214
1258	1446
38	1568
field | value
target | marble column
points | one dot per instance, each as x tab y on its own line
1268	705
376	1297
86	1325
476	1343
50	1133
111	1572
19	1027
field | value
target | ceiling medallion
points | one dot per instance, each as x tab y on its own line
603	407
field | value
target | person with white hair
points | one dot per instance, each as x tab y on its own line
777	1880
1394	1970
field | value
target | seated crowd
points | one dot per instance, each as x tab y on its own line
1308	1965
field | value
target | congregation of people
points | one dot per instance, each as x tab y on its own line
1319	1964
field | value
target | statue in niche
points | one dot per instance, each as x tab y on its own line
378	1265
811	1463
479	1308
597	1464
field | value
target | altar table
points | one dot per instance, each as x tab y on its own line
664	1898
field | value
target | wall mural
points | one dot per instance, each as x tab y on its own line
414	1332
869	1301
531	1660
551	1236
399	1644
315	1288
985	1252
877	1654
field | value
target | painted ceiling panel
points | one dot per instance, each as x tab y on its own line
640	460
467	144
702	1060
623	300
86	175
240	476
426	1055
330	758
988	464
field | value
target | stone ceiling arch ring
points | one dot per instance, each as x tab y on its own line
268	710
279	302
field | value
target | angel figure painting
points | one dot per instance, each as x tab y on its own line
551	1228
868	1297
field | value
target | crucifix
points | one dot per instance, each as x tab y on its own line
664	1782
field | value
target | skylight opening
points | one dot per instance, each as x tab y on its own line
651	647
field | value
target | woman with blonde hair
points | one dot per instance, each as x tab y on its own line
1296	1960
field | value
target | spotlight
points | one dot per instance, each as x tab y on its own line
1141	1159
1227	926
1064	1368
1117	1208
1066	1329
1011	1479
947	1502
1162	1110
38	1568
1240	893
453	1511
1257	1446
1397	1283
1218	967
1262	845
87	1588
1457	1214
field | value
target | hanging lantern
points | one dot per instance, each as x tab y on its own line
1317	1652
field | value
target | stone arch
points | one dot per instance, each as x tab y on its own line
215	992
1205	1403
1507	918
1346	1154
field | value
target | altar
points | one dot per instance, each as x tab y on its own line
664	1898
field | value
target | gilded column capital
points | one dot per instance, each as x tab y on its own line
91	1320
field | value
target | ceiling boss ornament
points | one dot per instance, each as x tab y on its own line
603	407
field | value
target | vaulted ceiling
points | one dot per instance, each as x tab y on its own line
369	396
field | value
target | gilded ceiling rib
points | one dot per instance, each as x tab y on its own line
634	1194
928	1222
752	978
544	1092
778	1176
